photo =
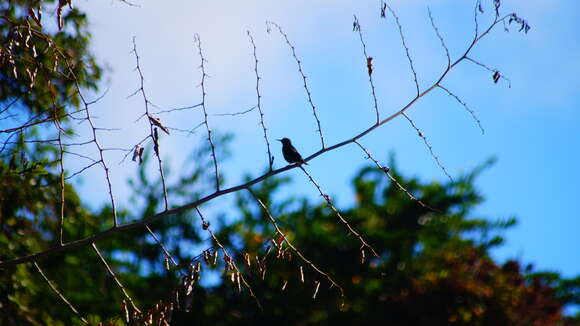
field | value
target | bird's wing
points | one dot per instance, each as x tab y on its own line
294	151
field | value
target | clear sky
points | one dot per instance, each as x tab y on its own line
532	127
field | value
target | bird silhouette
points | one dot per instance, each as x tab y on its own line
290	153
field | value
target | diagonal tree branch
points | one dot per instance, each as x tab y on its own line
222	192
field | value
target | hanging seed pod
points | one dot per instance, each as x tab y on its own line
136	150
316	289
238	277
175	298
206	257
247	260
196	271
370	65
190	269
189	287
227	261
125	309
264	273
215	256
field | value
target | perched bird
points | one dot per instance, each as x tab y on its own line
290	153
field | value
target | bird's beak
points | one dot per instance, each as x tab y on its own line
279	139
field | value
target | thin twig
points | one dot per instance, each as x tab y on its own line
7	141
33	141
78	144
61	167
185	131
192	131
10	104
465	106
152	126
439	37
178	109
337	212
422	135
114	277
31	122
475	14
10	116
298	252
403	41
234	114
130	150
369	63
299	63
130	4
259	101
165	251
79	155
99	98
82	170
206	226
197	41
95	141
60	295
387	171
490	69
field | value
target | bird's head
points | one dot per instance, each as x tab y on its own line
285	141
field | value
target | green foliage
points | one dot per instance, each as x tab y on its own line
29	210
30	218
41	69
40	66
433	268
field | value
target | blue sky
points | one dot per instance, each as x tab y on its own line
532	127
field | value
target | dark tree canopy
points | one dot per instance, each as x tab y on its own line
431	270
